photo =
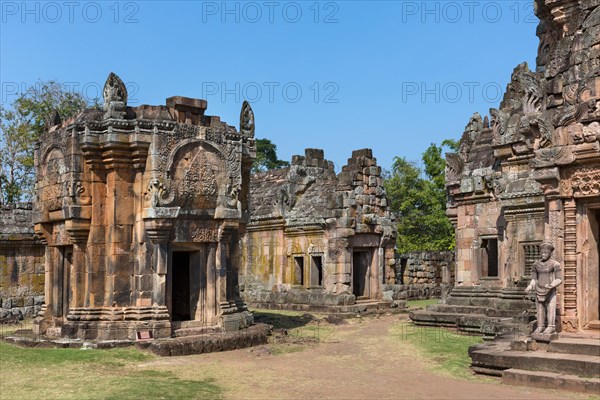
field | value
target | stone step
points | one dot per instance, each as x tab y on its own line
425	317
196	331
499	357
550	380
575	346
487	301
458	309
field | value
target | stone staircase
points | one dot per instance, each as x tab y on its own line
493	312
571	362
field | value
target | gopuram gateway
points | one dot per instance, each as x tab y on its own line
141	211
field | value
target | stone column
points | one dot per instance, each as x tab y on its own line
221	275
57	281
570	260
160	260
158	222
119	224
211	283
77	225
78	268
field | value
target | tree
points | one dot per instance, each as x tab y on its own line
419	202
20	127
266	157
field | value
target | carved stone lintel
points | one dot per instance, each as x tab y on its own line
158	222
585	182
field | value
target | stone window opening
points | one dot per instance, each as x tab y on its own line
299	270
316	270
531	253
489	257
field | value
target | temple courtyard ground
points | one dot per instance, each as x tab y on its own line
308	357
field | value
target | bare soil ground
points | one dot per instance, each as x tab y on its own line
360	360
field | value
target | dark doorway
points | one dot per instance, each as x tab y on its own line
360	274
316	271
181	286
489	257
298	270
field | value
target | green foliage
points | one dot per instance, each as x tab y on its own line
266	157
419	203
20	126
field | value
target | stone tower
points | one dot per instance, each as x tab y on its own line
141	210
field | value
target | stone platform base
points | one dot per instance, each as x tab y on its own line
564	363
492	312
209	342
550	380
179	346
360	307
544	337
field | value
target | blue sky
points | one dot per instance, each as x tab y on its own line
339	75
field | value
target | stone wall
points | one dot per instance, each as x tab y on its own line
21	263
426	268
421	275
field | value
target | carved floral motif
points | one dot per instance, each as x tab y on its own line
586	182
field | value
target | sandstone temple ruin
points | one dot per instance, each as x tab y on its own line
531	173
316	238
147	222
141	210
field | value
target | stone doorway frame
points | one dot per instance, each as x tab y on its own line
588	260
371	274
204	308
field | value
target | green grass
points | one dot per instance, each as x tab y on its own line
446	350
27	373
422	303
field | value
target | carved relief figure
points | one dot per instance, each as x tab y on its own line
546	276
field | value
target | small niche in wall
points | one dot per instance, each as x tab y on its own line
531	253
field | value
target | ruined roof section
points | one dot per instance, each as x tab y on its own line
265	193
309	195
297	193
178	109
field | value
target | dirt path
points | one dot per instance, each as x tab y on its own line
363	362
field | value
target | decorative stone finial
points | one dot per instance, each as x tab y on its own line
247	120
115	97
54	119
